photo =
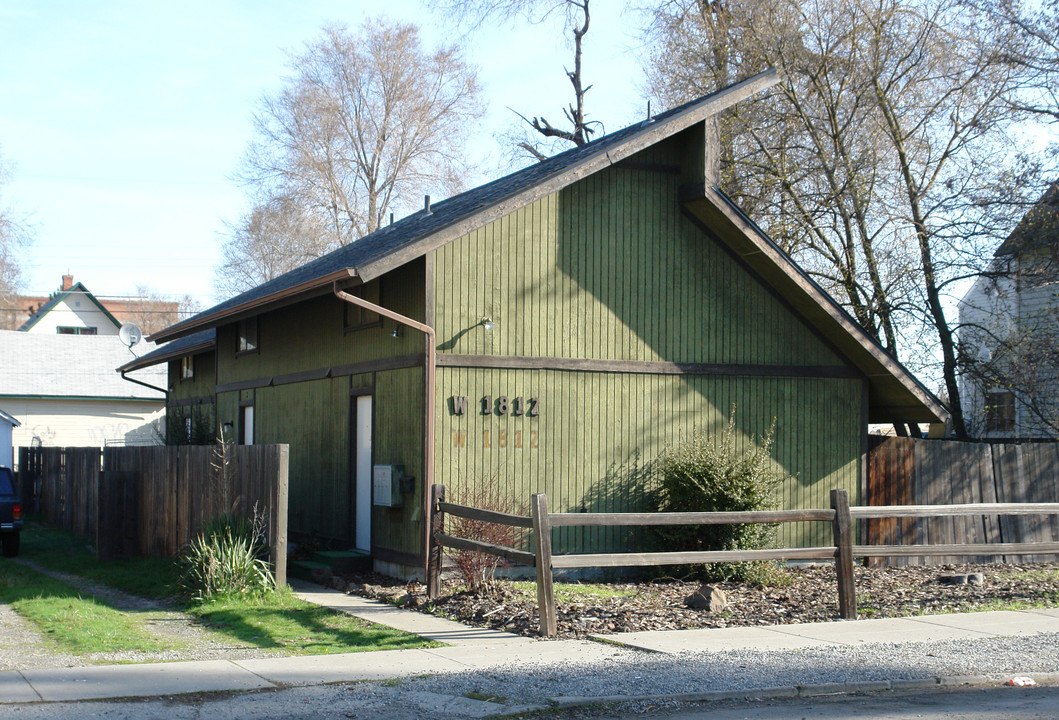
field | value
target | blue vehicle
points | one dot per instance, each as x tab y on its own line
10	513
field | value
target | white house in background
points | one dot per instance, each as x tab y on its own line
66	391
73	310
7	424
1009	323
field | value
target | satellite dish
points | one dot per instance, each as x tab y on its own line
130	334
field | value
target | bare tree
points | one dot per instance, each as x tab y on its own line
15	237
577	20
887	161
366	122
1034	47
271	239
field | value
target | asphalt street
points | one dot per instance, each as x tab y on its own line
386	701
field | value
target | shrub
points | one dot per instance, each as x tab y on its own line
702	474
476	569
229	557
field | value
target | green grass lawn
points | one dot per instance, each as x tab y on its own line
275	621
77	623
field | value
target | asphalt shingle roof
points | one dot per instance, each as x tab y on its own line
64	366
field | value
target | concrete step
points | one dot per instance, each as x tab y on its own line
303	569
344	561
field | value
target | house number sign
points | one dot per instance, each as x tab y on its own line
501	405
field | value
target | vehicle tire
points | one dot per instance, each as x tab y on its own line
11	543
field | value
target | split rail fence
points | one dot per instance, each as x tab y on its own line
841	516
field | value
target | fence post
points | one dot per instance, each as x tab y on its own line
434	556
542	529
843	530
278	513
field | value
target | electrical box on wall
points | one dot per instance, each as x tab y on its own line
388	483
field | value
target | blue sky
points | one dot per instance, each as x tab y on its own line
124	121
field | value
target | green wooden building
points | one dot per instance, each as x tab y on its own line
548	332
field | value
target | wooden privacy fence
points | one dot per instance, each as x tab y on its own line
913	471
540	523
150	501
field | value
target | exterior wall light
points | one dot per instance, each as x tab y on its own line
396	331
488	324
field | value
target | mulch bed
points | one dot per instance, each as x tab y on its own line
810	596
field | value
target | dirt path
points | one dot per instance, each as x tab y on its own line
23	647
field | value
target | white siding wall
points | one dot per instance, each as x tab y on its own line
75	310
86	423
1007	307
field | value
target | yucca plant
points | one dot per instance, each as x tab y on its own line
229	557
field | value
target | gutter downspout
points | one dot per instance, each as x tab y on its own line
429	365
146	385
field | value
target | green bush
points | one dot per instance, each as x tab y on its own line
228	558
702	474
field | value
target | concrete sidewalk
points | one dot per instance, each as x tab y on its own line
476	649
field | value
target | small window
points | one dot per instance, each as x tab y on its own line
358	318
68	330
248	335
187	367
1000	411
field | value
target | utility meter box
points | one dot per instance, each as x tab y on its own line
387	485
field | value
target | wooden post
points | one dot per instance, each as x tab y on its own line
843	530
279	515
436	522
542	530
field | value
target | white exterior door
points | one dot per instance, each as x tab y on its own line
362	465
248	425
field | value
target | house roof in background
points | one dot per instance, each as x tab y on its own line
9	419
1039	227
72	366
396	244
58	298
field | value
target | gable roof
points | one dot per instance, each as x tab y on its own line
1039	227
411	237
894	393
71	366
10	420
58	298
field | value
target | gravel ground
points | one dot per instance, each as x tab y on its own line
637	673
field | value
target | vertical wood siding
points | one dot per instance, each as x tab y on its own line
609	268
597	432
310	417
398	409
311	335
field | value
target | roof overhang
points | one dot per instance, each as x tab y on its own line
171	351
895	395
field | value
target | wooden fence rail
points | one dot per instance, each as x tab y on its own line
840	516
